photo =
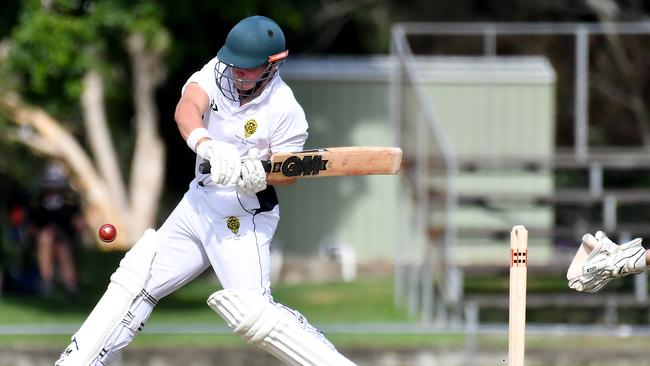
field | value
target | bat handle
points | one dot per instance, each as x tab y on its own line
204	167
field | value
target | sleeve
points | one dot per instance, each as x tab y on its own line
205	78
291	133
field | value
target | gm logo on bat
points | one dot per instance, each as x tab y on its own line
295	166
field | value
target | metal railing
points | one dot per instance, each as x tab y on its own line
490	33
434	137
420	294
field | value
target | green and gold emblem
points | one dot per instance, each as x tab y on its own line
250	127
233	224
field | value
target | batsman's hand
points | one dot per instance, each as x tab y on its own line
224	161
253	176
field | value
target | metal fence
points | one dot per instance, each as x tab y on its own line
412	108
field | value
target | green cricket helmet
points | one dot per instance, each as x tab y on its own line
254	42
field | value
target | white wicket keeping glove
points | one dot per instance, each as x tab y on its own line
600	260
224	159
253	176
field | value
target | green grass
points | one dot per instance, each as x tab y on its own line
360	301
366	300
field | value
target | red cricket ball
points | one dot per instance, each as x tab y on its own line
107	233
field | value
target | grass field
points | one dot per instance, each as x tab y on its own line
369	300
362	301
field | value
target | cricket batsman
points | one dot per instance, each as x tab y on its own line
234	112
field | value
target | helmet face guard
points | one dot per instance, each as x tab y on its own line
254	42
232	87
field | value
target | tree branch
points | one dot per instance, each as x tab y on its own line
147	168
99	137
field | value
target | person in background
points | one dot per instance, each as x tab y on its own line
56	223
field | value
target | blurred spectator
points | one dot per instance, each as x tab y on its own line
19	271
56	226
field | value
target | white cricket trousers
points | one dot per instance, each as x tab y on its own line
209	227
197	234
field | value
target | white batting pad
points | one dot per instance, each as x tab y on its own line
262	324
127	281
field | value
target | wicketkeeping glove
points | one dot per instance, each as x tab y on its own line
600	260
253	176
224	160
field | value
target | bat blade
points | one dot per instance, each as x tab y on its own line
331	162
335	161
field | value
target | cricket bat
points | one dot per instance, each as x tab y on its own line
328	162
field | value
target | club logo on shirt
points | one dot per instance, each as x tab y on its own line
213	106
233	224
250	127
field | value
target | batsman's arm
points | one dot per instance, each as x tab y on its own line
189	112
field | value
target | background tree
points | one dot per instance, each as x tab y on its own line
66	76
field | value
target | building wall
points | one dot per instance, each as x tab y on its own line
355	211
499	109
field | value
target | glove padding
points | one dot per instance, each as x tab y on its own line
600	260
224	159
253	176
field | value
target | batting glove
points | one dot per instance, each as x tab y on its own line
224	159
253	176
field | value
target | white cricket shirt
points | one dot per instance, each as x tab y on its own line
272	122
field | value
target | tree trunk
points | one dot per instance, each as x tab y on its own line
105	198
147	167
